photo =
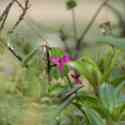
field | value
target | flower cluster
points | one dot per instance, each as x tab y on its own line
60	63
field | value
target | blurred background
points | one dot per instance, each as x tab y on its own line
46	17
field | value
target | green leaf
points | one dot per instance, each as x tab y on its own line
86	98
105	59
56	89
87	67
55	73
107	97
67	93
118	80
30	56
119	88
56	52
94	117
110	67
112	100
67	102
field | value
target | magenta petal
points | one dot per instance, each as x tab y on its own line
61	61
58	61
55	60
76	78
78	81
61	67
67	59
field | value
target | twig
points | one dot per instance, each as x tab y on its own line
21	16
6	9
78	106
78	44
3	22
19	4
5	13
12	51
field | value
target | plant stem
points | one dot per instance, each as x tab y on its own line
79	107
19	4
74	24
12	51
5	13
69	81
90	23
21	17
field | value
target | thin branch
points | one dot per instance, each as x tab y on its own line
20	5
12	51
91	23
21	16
15	54
78	106
5	13
3	22
6	9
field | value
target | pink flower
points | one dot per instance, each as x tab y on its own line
76	78
61	61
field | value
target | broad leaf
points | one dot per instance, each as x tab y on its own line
56	52
94	117
112	100
30	56
89	69
108	71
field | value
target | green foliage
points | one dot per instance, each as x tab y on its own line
30	97
56	52
30	56
93	117
87	67
35	80
55	90
3	42
112	100
113	41
111	64
55	73
8	86
66	101
11	109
